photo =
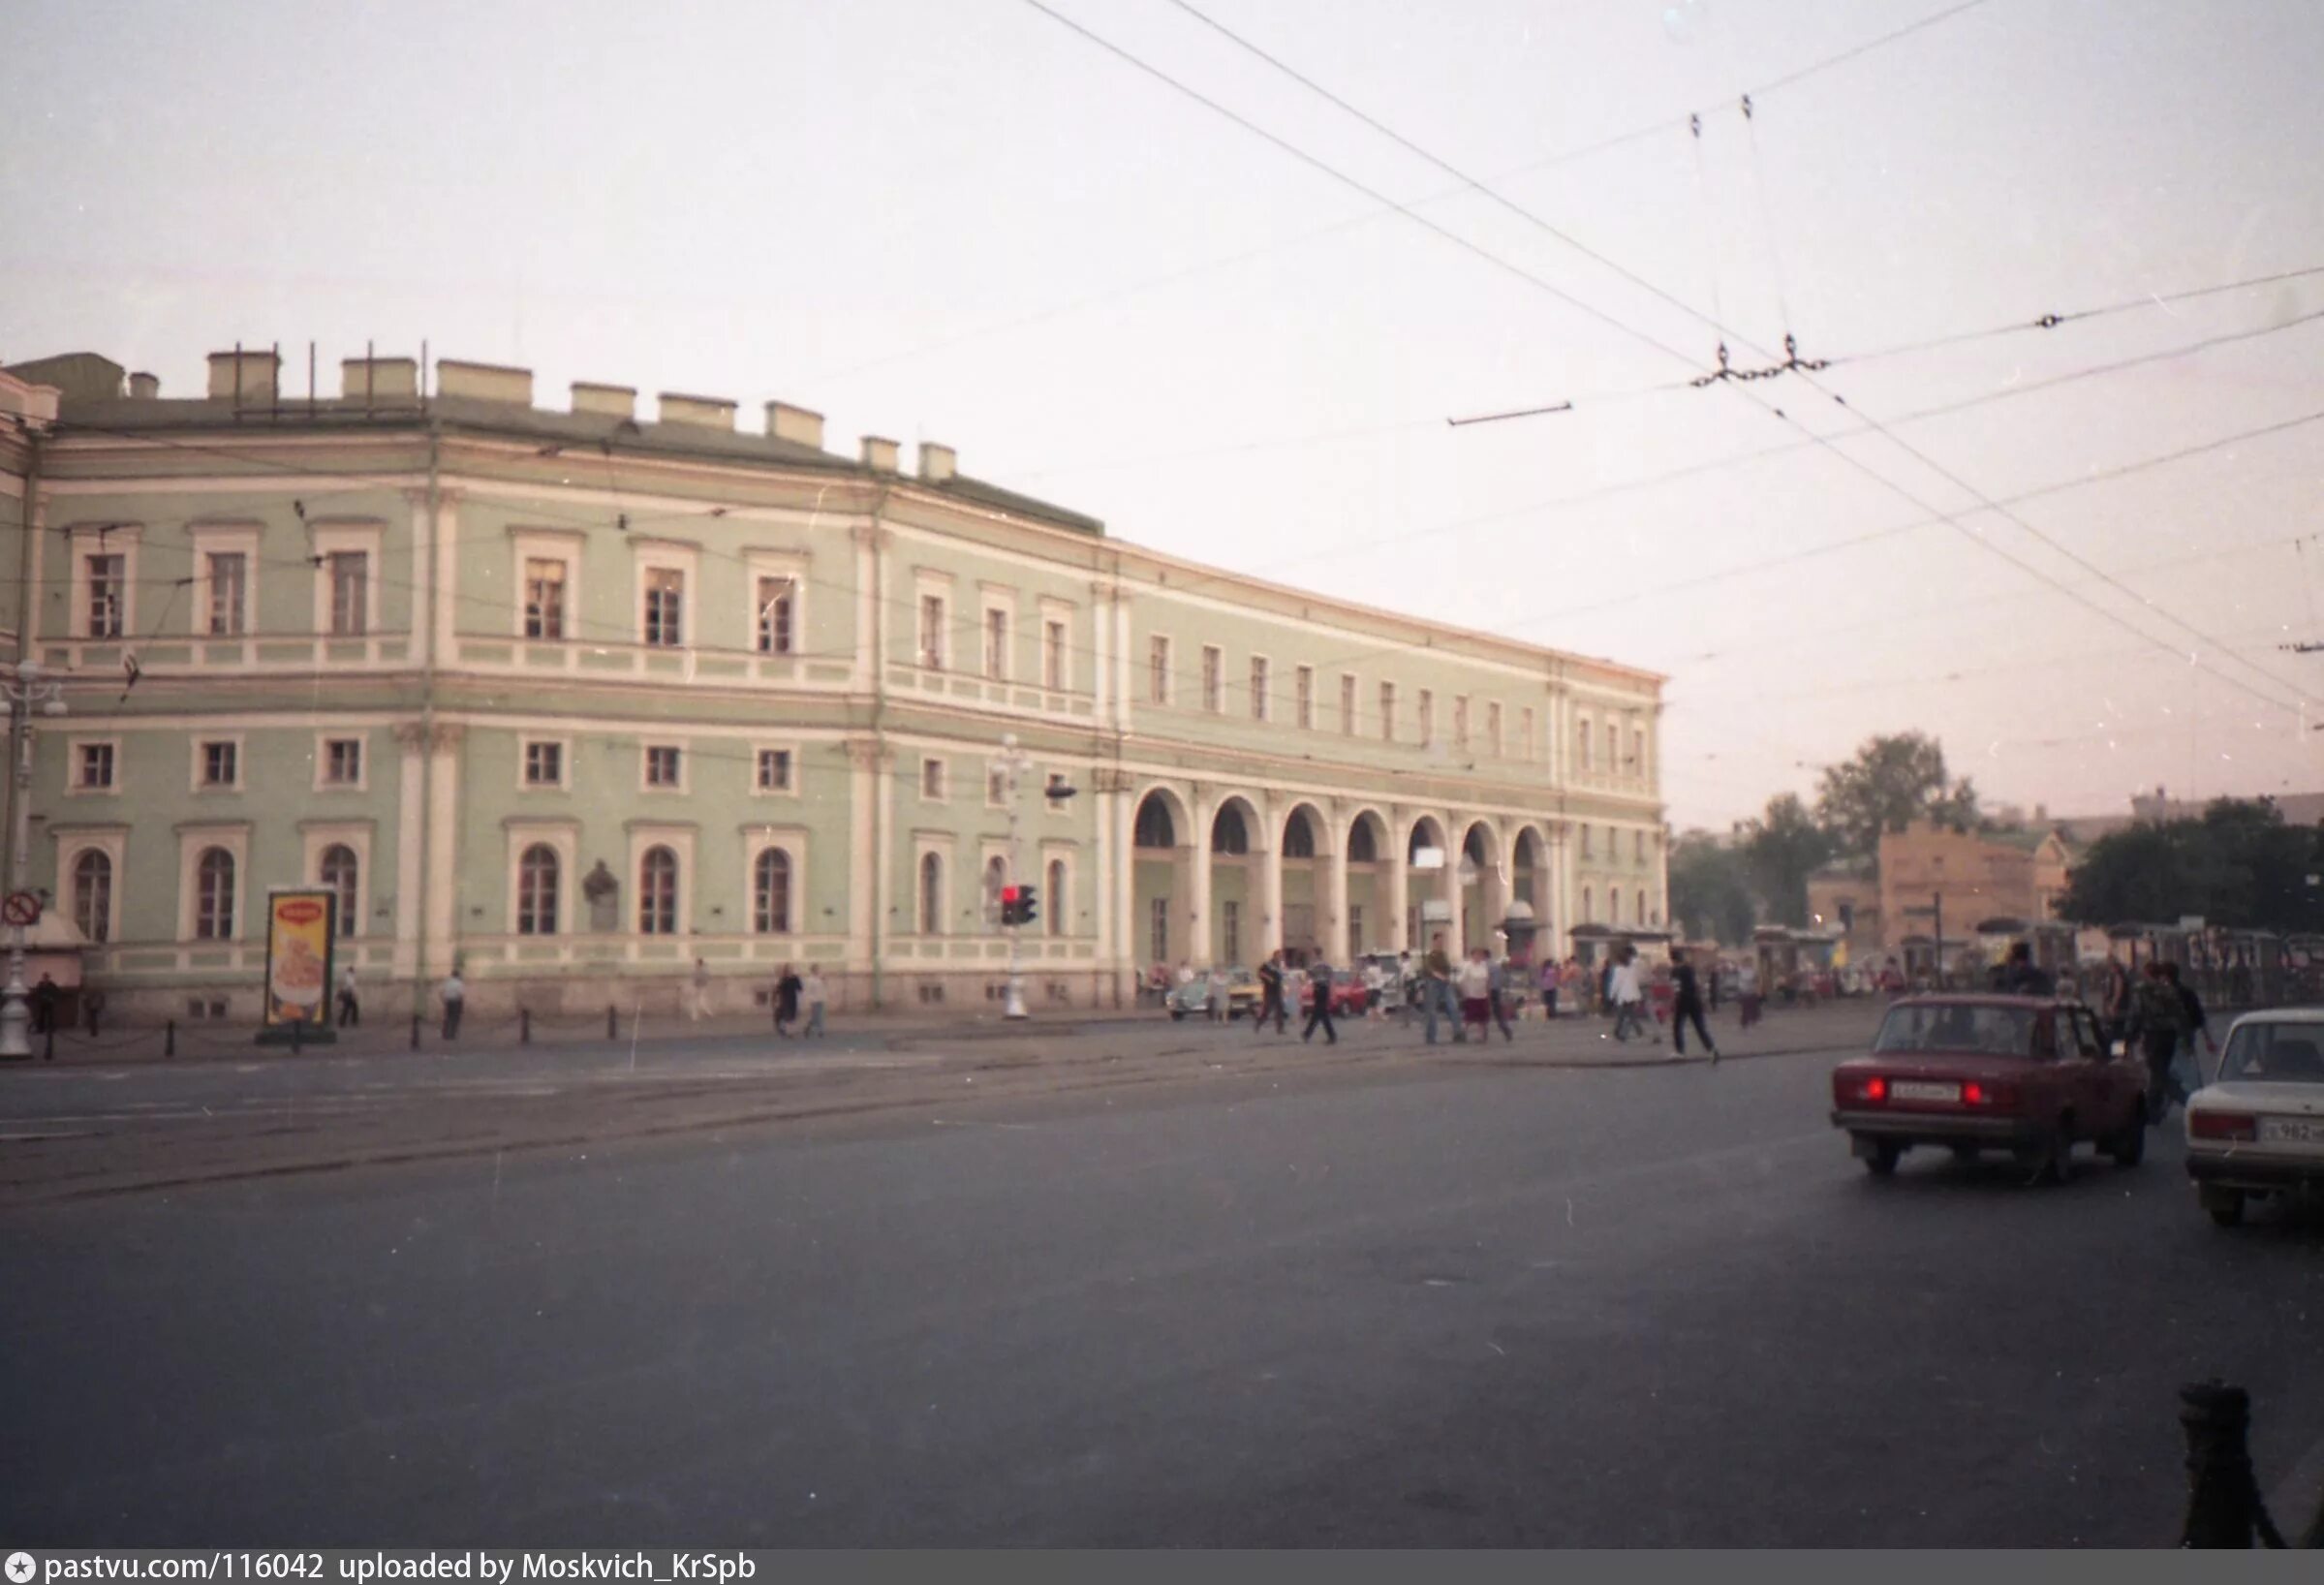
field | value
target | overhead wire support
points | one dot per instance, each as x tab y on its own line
1520	413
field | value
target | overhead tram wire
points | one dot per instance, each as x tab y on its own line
1648	338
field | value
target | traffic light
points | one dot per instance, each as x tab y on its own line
1028	905
1018	904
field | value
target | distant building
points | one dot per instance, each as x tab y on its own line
1972	875
1845	896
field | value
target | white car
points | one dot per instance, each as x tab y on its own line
2257	1127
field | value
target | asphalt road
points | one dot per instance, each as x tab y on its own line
1431	1306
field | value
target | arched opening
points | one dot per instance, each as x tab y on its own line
1161	880
214	896
93	895
1371	924
1236	930
1153	829
770	893
658	892
1229	833
1529	882
337	870
1305	909
932	894
536	878
1430	867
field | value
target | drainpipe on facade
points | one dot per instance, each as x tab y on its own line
878	747
427	717
27	513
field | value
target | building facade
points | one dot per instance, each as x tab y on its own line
1973	876
572	698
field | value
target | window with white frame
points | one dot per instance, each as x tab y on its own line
348	575
341	873
93	895
544	597
770	892
932	631
1214	681
214	896
1638	847
228	575
1053	790
218	763
932	779
1053	654
1637	764
1303	697
1347	686
342	761
778	627
1525	732
662	766
1158	669
995	643
93	768
665	617
106	578
543	763
1259	688
932	894
1426	709
1583	740
658	891
996	785
1492	728
540	879
1387	712
1613	747
1059	896
777	771
1588	843
1459	721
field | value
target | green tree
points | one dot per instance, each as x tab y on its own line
2238	864
1891	782
1781	848
1711	889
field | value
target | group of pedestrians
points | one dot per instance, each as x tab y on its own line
1276	992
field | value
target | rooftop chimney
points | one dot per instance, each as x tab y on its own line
702	412
614	401
144	387
379	380
246	376
937	463
879	453
785	421
484	382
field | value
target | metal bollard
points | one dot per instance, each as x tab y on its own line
610	1033
298	1036
48	1050
415	1031
2223	1506
170	1039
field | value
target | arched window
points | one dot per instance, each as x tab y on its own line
537	880
214	896
1227	833
770	893
1298	837
932	894
93	895
1155	828
337	872
1361	848
658	892
1057	896
996	878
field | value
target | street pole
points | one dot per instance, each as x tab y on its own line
1937	906
1012	759
22	694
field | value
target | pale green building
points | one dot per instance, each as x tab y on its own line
575	699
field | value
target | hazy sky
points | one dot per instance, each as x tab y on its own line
958	220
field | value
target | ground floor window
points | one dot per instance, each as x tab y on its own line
1356	928
1158	929
1230	932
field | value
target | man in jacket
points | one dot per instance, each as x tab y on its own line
1270	995
1436	993
1319	976
1628	998
1687	1003
2157	1020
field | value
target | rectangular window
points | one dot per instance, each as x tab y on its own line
1588	843
1053	656
343	762
544	598
350	592
1428	717
96	770
108	580
932	631
1303	697
1158	929
1583	740
544	765
1230	931
1387	712
1493	728
1638	847
1214	683
774	770
1525	732
1459	721
776	635
1613	747
1347	704
1259	688
665	608
932	779
662	765
1051	787
229	593
1158	669
1637	764
220	764
996	787
995	643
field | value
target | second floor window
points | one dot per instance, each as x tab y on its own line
1158	669
229	593
350	592
774	770
544	598
776	635
1525	733
1347	704
109	580
1459	720
96	766
932	779
220	764
995	643
343	762
1428	717
1053	656
544	765
1387	712
1259	688
1493	728
665	608
932	631
1303	697
661	766
1583	740
1213	686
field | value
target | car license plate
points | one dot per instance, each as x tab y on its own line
2291	1131
1907	1089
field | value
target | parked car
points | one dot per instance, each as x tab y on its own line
1349	998
1200	997
2028	1074
2257	1127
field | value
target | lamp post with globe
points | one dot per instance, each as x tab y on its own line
25	691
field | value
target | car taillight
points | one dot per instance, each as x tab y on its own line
2222	1125
1998	1096
1875	1088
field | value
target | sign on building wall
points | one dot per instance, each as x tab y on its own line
299	927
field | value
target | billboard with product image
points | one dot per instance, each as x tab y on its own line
299	938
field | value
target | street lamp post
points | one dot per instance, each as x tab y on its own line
1013	761
23	694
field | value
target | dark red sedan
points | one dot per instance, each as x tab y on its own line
2029	1075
